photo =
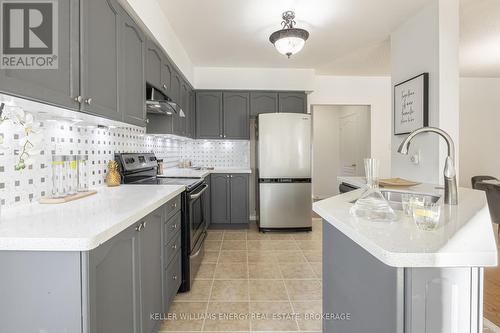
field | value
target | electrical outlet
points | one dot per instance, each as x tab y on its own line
415	158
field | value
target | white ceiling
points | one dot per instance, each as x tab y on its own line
347	37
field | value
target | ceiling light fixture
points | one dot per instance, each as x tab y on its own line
289	40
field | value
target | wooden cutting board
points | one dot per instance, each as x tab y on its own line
47	200
397	182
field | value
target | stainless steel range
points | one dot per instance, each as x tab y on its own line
141	168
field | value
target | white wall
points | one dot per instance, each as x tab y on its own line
326	159
152	17
428	42
325	153
479	128
352	90
253	78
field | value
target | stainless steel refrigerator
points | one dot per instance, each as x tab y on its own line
283	163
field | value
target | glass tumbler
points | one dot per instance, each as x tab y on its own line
72	179
425	214
83	176
58	176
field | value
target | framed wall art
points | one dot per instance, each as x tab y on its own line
411	104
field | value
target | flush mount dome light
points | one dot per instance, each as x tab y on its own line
289	40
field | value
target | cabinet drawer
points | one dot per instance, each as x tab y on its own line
172	247
173	206
173	278
172	226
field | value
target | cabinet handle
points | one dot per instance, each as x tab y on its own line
220	135
164	86
227	176
79	99
174	226
88	101
139	227
224	135
174	205
174	277
174	247
147	121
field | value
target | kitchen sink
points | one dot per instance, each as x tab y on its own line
395	197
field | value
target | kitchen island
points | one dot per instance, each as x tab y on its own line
104	263
392	277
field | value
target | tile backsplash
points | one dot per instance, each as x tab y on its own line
66	132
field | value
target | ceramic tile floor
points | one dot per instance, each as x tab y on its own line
254	282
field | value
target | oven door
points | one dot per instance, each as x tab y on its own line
197	220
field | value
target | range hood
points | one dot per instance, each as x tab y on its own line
158	103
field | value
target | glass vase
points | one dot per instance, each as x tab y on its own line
372	205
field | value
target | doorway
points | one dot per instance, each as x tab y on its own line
341	140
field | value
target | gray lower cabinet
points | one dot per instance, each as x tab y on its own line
114	284
132	82
207	201
150	253
236	112
209	114
238	197
229	198
55	86
292	102
113	288
219	195
263	102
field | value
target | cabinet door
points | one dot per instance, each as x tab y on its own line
176	96
114	285
55	86
150	249
192	106
220	198
166	76
263	102
239	198
209	115
185	126
153	64
99	75
207	201
292	102
131	92
236	106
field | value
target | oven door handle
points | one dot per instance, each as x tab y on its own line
200	247
197	195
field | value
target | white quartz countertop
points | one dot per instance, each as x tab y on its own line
83	224
193	173
464	237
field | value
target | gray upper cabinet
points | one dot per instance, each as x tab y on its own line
55	86
229	198
263	102
153	64
292	102
239	198
114	284
219	197
166	76
236	108
99	73
131	92
150	248
209	114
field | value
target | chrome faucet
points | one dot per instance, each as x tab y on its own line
450	178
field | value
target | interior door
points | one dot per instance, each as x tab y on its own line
349	145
